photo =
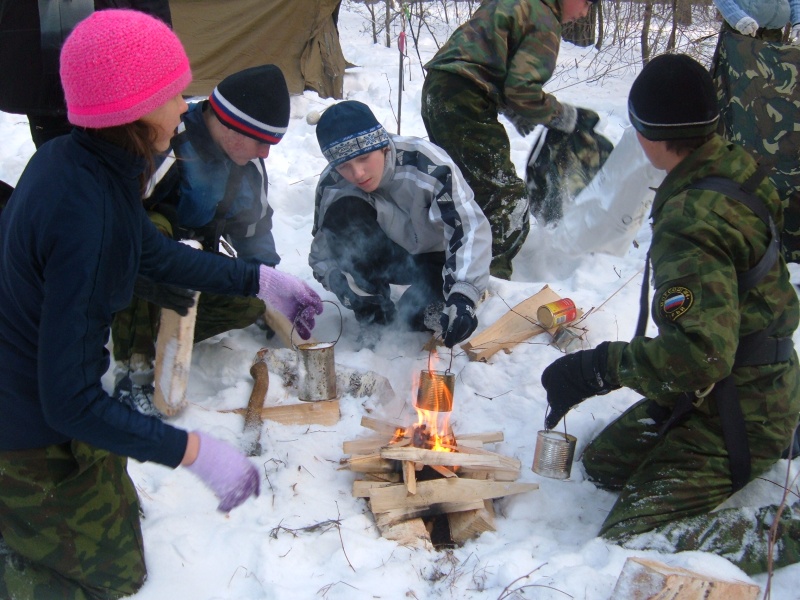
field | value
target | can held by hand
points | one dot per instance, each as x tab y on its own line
557	313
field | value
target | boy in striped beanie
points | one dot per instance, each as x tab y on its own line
211	187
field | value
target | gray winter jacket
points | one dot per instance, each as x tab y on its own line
424	205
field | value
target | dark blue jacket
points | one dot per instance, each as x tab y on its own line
72	239
195	178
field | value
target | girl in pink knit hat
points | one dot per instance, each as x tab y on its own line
73	238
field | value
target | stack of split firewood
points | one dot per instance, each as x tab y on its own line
405	485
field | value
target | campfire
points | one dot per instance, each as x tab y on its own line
414	474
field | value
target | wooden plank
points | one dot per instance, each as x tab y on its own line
468	524
442	491
382	425
283	327
643	579
366	445
485	460
410	477
399	515
361	488
325	412
517	325
443	471
411	533
496	474
371	463
487	437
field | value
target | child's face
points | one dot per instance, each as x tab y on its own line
572	10
364	171
657	153
165	119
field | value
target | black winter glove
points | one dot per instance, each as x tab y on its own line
372	308
572	379
164	295
458	319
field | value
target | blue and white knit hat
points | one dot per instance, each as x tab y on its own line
254	102
347	130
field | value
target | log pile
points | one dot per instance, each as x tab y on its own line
465	481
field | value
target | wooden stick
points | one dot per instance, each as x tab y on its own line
410	477
485	460
441	491
382	425
252	416
443	471
394	516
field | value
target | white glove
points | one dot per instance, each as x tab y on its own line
747	26
794	37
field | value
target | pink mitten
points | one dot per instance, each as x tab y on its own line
226	471
292	297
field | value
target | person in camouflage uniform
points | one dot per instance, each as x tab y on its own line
498	62
673	467
755	74
212	185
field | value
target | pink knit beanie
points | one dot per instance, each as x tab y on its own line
118	65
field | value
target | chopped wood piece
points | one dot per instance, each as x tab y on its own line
488	437
468	524
382	425
486	460
398	515
370	463
325	412
441	491
643	579
361	489
516	326
410	477
411	533
443	471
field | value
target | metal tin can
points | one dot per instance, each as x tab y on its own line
556	313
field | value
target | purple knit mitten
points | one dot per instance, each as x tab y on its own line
291	297
226	471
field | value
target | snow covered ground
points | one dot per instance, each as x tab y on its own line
545	545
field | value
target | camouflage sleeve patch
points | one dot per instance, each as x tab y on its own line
675	302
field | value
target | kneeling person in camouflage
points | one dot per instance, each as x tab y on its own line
212	187
721	378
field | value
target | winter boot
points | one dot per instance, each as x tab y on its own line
134	384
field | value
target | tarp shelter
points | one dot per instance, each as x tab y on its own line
225	36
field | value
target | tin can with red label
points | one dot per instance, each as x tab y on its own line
556	313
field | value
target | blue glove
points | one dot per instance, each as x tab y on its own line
458	319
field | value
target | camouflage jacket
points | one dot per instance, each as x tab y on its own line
508	48
701	240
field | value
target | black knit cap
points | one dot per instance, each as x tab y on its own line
673	98
254	102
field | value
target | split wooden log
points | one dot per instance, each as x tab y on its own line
411	533
370	463
443	491
516	326
410	477
174	355
282	326
398	515
485	460
300	413
468	524
253	419
643	579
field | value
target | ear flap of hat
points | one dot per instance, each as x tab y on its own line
673	98
254	102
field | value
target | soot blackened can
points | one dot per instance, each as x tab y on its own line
557	313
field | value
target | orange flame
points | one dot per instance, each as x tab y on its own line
433	404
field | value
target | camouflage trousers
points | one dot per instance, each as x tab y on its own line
462	121
670	484
69	514
759	98
134	329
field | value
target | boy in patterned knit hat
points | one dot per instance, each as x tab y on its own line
396	210
211	187
721	377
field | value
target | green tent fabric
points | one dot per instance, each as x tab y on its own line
225	36
560	165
